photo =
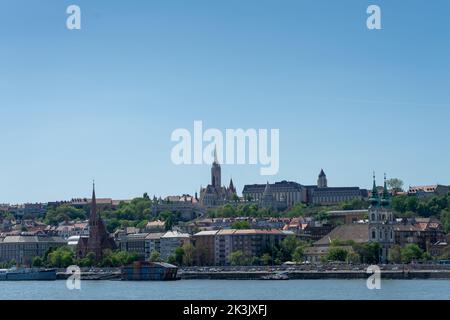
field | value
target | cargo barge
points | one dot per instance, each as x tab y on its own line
27	274
149	271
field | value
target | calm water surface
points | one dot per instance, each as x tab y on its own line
228	290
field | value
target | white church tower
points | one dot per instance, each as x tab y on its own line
381	220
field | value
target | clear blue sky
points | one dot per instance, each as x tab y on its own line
102	102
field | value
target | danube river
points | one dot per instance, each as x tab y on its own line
228	290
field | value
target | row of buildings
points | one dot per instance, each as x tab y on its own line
211	247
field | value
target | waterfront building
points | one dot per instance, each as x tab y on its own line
172	240
425	232
98	239
215	194
141	243
23	248
381	221
153	243
252	242
316	254
134	243
204	242
223	246
358	233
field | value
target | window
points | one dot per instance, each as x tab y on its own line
373	234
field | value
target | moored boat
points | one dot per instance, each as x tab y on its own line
27	274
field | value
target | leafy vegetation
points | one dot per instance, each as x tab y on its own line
240	225
62	213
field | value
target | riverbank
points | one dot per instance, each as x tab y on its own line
395	272
318	275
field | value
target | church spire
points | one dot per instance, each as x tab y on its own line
216	161
385	200
93	204
374	199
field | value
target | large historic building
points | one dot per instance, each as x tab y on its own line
322	194
99	238
290	193
381	221
215	194
23	248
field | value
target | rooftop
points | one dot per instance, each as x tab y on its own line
359	233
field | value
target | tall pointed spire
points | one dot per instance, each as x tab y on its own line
216	161
93	203
374	199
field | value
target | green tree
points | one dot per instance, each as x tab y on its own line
62	257
243	224
179	254
297	210
353	257
188	254
298	254
288	246
336	254
411	252
63	213
355	204
368	252
88	260
37	262
238	258
395	254
155	256
266	259
172	259
445	220
395	184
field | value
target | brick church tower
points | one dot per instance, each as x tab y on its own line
98	239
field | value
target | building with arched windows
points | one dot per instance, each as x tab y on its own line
381	221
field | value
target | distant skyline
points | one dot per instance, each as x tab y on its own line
101	103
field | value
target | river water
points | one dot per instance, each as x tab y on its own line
228	290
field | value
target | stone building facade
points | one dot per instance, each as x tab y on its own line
291	193
23	248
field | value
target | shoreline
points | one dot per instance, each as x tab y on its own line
407	274
319	275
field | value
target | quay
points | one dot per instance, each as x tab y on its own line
298	272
